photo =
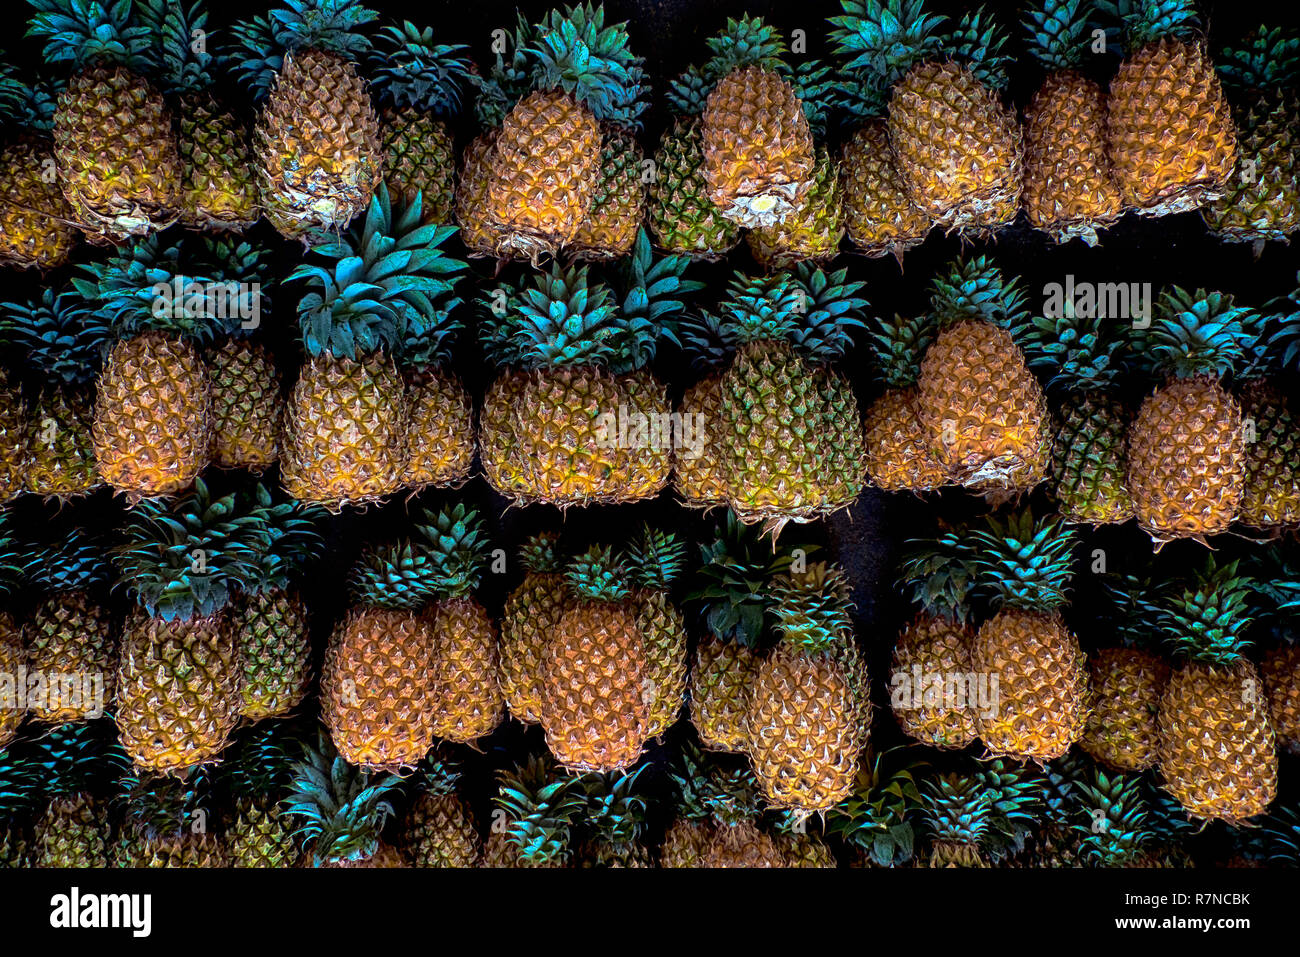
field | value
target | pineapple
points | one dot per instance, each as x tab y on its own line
1069	190
1083	358
36	228
758	147
614	822
1280	668
343	809
979	815
70	635
1126	687
63	338
115	146
439	829
153	419
545	171
809	709
930	685
577	418
955	144
79	763
347	421
420	85
464	659
316	144
982	412
789	437
13	655
596	681
13	438
813	229
897	458
1270	497
170	822
1187	455
1262	199
1278	579
875	819
1041	705
378	691
654	560
533	817
218	188
258	832
532	612
1113	823
268	620
19	789
681	216
1218	750
179	671
610	227
1169	131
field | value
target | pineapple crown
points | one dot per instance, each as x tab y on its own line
261	756
331	25
163	805
179	48
1269	57
506	83
898	347
28	106
1113	826
875	815
80	757
597	575
1275	576
819	90
183	558
688	92
1059	787
1023	563
1279	834
253	55
343	808
977	290
63	337
386	284
1146	21
541	553
885	39
77	561
20	784
149	286
1075	353
940	574
655	558
411	70
956	809
1015	804
11	561
438	772
1060	32
731	583
614	812
978	43
445	559
711	789
540	807
575	52
292	540
748	41
811	607
1200	333
1205	616
653	288
1128	607
86	33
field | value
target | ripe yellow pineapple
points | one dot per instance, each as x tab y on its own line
610	226
654	560
471	203
439	829
932	656
1126	688
532	611
1280	669
879	216
758	147
1270	496
698	476
247	408
316	145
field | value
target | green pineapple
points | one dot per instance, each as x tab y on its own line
78	763
255	777
877	818
170	822
19	792
439	829
533	820
1113	828
654	560
1270	496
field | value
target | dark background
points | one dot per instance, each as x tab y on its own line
866	538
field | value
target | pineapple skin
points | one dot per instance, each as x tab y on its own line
1169	131
467	701
680	214
618	203
440	436
470	208
271	630
1265	206
1218	751
1122	730
1042	682
74	832
1090	460
1270	495
813	230
957	147
879	215
177	691
803	735
1280	669
664	632
440	832
70	634
532	613
12	658
152	416
117	154
1186	469
982	412
345	431
1069	191
218	186
897	459
64	465
316	145
259	835
35	217
544	171
699	479
247	409
720	681
758	147
595	709
377	693
420	157
938	647
14	429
